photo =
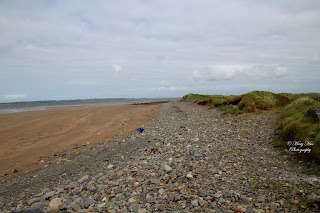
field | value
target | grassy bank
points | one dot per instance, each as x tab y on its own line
297	127
255	101
296	123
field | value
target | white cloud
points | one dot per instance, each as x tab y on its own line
263	72
219	72
225	72
116	70
15	96
196	75
280	71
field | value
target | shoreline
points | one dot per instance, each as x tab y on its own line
17	107
30	140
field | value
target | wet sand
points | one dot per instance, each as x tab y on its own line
28	137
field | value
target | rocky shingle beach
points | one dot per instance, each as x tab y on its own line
189	159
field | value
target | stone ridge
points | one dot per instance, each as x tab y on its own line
189	159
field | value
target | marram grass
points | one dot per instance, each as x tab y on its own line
295	126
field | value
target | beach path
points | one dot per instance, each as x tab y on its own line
28	137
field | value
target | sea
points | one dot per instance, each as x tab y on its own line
43	105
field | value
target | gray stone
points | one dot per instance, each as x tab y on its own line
83	179
76	191
134	207
167	168
88	202
195	203
221	201
217	195
74	206
177	197
33	200
37	206
49	195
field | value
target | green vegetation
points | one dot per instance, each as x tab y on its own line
293	124
230	109
293	97
296	126
195	97
209	100
260	100
255	101
309	203
151	103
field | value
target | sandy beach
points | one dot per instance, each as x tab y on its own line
28	137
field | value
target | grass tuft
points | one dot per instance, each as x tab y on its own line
230	109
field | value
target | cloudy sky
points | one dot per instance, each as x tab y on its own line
157	48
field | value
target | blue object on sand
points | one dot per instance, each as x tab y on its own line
140	129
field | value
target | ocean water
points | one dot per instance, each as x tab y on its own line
43	105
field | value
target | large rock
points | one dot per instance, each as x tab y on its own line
54	205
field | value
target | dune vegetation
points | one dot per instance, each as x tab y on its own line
295	125
255	101
298	119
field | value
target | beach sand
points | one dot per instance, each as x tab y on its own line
28	137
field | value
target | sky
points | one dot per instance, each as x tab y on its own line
58	50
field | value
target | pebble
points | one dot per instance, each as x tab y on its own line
48	195
33	200
195	203
88	202
167	168
83	179
189	176
110	166
37	206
